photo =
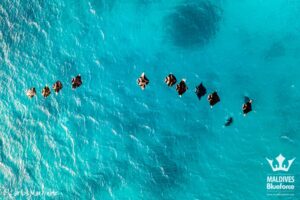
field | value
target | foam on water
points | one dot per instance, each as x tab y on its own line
110	140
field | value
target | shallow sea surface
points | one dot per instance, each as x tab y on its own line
109	139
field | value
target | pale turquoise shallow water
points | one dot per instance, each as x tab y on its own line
109	139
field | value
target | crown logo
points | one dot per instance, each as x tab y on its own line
280	166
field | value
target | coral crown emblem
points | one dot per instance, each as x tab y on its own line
280	167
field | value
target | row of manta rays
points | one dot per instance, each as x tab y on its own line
57	86
213	98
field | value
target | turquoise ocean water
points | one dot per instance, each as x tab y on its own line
109	139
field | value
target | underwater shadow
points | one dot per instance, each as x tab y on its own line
193	24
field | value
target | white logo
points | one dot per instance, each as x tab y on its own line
279	183
280	167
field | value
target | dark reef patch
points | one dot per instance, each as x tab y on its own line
193	24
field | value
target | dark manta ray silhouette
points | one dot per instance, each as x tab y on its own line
200	91
229	121
181	87
247	106
213	99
